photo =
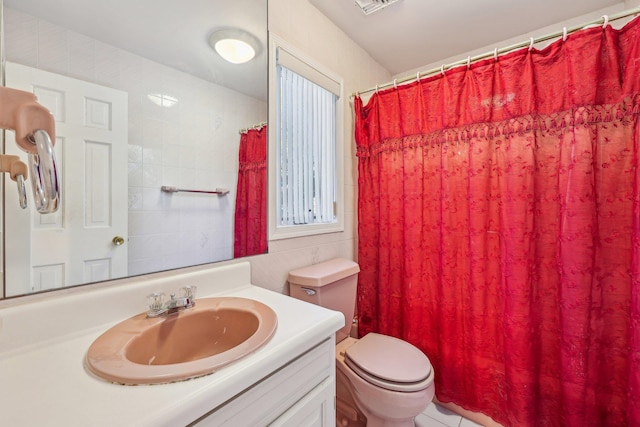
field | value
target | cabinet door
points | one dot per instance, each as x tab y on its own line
316	409
267	400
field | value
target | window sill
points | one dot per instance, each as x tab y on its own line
292	231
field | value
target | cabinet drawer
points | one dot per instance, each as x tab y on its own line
266	400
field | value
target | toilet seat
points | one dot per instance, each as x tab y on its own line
389	363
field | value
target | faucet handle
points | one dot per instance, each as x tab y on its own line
155	301
189	292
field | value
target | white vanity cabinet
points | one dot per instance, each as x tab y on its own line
290	381
300	393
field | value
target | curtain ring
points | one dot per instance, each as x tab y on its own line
495	54
606	21
395	84
468	62
418	76
442	69
357	94
530	43
564	34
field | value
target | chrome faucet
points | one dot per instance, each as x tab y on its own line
158	306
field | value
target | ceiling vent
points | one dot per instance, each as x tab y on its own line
370	6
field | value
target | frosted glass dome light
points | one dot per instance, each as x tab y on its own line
234	45
235	51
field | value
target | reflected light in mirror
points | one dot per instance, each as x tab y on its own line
162	99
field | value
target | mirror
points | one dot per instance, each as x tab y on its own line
142	101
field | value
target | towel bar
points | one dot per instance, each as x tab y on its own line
171	189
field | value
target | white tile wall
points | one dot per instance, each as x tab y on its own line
193	144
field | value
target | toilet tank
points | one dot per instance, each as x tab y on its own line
331	284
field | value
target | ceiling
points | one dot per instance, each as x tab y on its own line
413	33
171	32
406	35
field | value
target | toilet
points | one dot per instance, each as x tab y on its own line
380	380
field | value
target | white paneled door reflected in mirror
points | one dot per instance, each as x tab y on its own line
141	100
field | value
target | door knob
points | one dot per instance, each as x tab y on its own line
118	241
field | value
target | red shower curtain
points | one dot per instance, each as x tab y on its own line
250	231
499	229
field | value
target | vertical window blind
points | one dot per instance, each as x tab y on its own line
306	135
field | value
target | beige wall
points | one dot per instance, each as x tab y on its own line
308	30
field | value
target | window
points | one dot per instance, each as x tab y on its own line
307	145
306	138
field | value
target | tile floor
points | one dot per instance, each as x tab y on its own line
438	416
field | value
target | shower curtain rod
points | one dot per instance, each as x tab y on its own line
258	126
605	19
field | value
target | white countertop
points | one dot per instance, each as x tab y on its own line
43	382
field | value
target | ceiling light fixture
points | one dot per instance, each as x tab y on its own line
234	45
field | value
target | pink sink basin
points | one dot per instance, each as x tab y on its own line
186	344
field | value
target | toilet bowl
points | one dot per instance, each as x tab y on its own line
380	380
393	389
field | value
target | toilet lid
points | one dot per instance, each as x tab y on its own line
389	362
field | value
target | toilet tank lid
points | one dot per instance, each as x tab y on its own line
322	274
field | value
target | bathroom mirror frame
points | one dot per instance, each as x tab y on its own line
216	72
